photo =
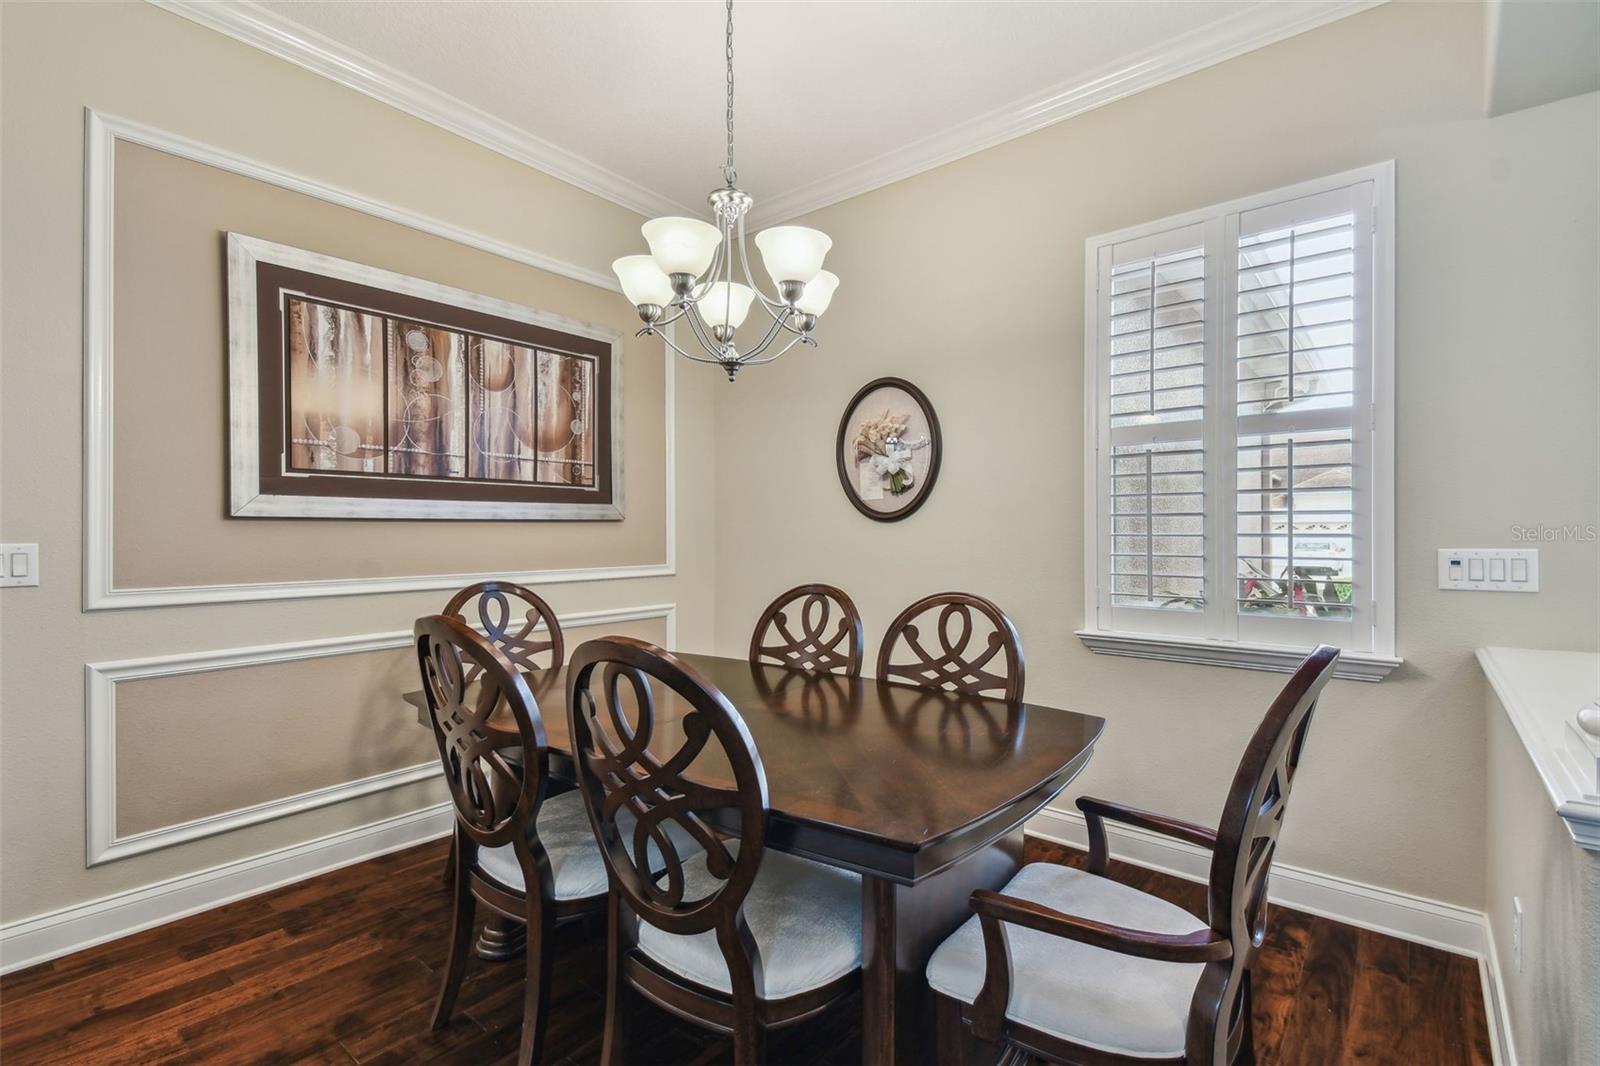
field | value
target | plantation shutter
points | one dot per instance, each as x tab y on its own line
1298	345
1240	447
1154	294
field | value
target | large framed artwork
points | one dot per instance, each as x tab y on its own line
357	392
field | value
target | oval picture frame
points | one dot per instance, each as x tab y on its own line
900	399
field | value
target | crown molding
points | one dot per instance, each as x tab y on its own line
245	21
1256	27
1253	28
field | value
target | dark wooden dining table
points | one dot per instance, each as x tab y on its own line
922	792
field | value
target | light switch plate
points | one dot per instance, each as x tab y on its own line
19	565
1489	569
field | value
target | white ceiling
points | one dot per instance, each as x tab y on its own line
833	98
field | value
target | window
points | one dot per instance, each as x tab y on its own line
1240	425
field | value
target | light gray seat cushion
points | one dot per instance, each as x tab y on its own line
1098	998
575	859
805	917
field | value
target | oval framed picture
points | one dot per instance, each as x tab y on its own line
888	449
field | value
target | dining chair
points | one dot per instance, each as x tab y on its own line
735	938
1098	972
522	644
821	645
519	641
952	666
525	856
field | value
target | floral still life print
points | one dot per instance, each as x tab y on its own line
888	449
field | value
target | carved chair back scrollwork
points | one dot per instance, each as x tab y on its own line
496	778
1247	837
630	759
514	629
799	630
993	667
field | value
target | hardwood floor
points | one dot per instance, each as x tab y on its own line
344	968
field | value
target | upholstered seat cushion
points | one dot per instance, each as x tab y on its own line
575	860
1098	998
805	917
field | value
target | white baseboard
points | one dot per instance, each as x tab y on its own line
1442	925
38	939
1414	918
1495	1006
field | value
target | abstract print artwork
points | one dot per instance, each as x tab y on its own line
374	394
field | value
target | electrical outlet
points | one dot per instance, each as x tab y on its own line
1516	932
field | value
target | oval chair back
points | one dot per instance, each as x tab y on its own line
514	630
1247	837
813	640
631	759
955	665
497	777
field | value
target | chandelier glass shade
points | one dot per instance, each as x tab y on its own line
690	275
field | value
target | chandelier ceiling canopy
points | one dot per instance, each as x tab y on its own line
689	274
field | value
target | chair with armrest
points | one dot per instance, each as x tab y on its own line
1070	966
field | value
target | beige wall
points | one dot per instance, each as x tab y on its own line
969	281
137	62
1554	998
170	288
198	745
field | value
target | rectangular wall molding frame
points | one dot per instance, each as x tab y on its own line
100	732
102	132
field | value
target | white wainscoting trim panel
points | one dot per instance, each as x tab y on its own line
101	132
100	732
1414	918
47	936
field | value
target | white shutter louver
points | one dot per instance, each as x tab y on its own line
1301	277
1158	556
1157	335
1295	524
1154	331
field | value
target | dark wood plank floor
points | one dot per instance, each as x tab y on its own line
344	968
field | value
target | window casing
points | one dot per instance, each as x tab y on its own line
1240	426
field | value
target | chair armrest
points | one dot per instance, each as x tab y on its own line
1203	945
995	911
1097	811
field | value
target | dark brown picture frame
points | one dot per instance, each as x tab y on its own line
265	279
936	448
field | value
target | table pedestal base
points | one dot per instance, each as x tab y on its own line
901	925
502	939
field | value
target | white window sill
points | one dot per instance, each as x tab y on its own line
1353	665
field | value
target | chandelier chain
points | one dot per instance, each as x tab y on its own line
729	174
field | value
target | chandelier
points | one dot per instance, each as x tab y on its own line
688	275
